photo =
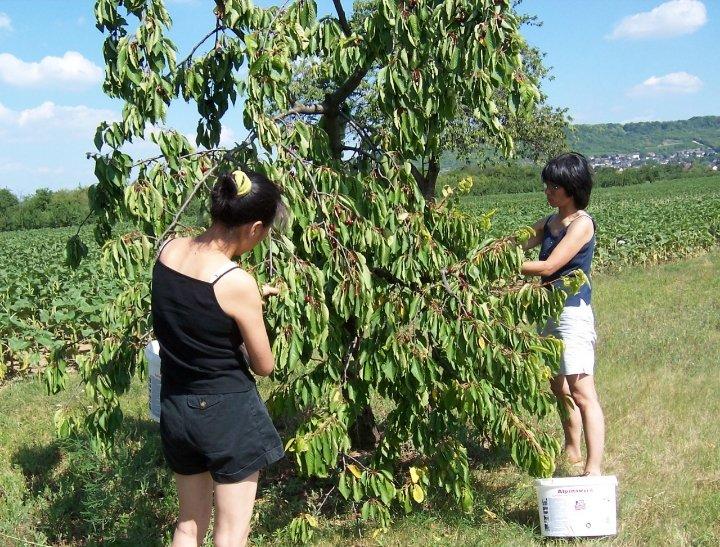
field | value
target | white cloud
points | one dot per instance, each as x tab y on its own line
227	136
49	121
71	69
5	22
675	83
673	18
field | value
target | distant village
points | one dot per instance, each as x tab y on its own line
686	158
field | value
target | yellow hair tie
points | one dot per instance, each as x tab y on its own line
243	182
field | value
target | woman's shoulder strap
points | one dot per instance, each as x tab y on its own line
162	247
230	266
584	214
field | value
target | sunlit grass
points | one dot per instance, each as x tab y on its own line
658	376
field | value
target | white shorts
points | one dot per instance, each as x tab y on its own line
576	328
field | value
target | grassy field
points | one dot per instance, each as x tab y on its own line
658	356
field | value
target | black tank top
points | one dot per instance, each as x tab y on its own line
199	342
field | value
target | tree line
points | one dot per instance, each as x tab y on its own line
516	178
660	137
53	209
43	209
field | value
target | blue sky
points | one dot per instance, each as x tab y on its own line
613	61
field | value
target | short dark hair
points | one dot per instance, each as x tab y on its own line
571	171
262	203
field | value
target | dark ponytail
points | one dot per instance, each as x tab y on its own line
262	203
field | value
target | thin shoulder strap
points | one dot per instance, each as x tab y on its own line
162	247
214	278
584	214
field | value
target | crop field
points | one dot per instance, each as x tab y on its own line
655	392
637	225
46	308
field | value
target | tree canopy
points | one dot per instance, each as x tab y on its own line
402	329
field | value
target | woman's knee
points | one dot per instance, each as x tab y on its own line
585	399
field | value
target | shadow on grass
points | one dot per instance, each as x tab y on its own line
121	497
128	496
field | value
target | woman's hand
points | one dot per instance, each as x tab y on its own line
269	290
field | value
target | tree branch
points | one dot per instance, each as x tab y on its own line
360	151
302	109
180	211
217	29
338	96
341	17
363	131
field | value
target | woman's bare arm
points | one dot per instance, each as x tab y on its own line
238	295
536	239
578	234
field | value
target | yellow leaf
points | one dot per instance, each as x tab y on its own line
312	520
354	470
490	514
414	475
418	494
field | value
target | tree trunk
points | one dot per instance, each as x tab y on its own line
431	179
427	182
364	433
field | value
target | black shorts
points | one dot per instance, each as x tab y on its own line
230	435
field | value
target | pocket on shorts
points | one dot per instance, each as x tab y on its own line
205	402
218	419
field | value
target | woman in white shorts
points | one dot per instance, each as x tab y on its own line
567	243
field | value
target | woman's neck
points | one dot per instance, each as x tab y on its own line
218	239
565	211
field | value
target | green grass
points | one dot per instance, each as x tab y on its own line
657	374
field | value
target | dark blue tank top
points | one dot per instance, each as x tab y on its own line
582	260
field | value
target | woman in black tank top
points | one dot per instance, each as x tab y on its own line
207	316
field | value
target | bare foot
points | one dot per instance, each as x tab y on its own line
592	473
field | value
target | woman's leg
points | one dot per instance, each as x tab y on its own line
582	388
572	424
195	493
233	510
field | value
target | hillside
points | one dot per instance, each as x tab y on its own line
643	137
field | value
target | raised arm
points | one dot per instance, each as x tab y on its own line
240	298
578	234
536	239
